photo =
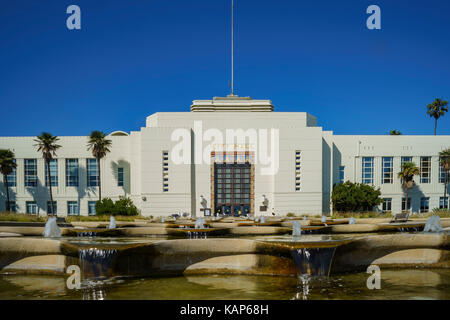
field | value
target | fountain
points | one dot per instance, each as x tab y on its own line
51	228
262	219
323	219
112	223
433	224
313	261
199	223
296	229
96	262
162	220
352	221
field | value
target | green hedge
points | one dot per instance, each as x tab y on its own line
355	197
122	207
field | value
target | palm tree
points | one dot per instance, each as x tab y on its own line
437	109
445	163
99	146
409	170
7	165
395	133
46	144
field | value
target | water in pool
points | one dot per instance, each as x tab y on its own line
395	284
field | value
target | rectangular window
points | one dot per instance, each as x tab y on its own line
341	174
441	172
387	168
49	208
387	205
404	204
73	208
30	172
120	177
91	208
12	206
32	207
71	172
298	169
425	169
53	173
424	204
165	171
12	177
443	203
367	170
92	172
406	159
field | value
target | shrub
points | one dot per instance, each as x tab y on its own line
125	207
104	207
354	197
290	214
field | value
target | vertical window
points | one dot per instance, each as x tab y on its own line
53	173
72	208
92	172
404	204
406	159
71	172
12	206
425	169
12	177
443	203
367	170
30	172
32	207
165	170
387	205
91	208
341	174
441	172
120	177
49	208
424	204
298	172
388	167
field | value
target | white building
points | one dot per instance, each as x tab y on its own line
306	162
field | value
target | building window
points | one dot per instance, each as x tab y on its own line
405	160
12	177
12	206
53	173
387	205
73	208
92	172
165	170
298	172
424	204
91	208
441	172
49	208
425	169
30	172
388	167
71	172
32	207
443	203
404	204
367	170
120	177
341	174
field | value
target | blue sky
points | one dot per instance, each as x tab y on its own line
136	57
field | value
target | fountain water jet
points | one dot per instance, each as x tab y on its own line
51	228
96	262
352	221
112	223
433	224
296	229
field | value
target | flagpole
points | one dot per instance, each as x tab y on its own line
232	47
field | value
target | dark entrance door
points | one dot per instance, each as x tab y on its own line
232	188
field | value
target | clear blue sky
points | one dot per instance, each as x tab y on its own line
136	57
